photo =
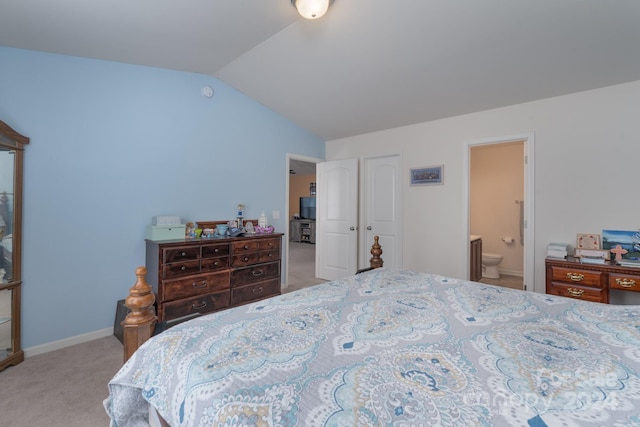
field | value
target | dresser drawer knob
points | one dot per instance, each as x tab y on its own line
216	263
245	259
257	290
576	277
202	284
183	254
626	283
183	268
216	250
575	292
199	307
257	272
245	247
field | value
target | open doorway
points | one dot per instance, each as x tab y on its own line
301	253
499	200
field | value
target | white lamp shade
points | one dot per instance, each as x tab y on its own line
312	9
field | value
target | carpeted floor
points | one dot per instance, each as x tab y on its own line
62	388
302	266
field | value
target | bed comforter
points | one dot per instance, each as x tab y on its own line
391	348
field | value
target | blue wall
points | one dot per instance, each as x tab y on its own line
112	145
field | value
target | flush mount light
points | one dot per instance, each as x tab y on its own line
311	9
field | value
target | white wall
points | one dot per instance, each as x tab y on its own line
586	156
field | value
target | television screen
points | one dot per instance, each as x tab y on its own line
308	207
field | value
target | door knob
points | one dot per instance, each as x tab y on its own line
352	228
369	228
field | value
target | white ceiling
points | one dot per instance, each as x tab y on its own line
367	65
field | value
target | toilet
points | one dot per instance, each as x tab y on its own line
490	263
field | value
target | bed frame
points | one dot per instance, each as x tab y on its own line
140	323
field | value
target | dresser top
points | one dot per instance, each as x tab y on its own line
610	266
216	239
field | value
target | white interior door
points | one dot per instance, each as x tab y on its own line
383	209
337	219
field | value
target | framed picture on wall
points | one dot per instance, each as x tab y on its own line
431	175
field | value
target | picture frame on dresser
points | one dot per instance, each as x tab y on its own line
628	240
588	241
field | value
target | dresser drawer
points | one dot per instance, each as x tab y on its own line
245	259
267	244
193	286
578	276
255	273
244	247
189	306
578	292
180	269
255	291
214	251
625	282
180	254
255	258
266	256
214	264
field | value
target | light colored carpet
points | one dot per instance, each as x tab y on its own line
302	266
62	388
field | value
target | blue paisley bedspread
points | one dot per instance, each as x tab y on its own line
391	348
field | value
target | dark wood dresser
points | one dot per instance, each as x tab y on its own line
198	276
590	282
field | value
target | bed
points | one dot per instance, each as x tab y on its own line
390	348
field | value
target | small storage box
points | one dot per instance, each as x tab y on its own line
166	232
166	220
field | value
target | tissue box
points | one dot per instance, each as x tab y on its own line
166	232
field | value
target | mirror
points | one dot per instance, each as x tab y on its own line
11	157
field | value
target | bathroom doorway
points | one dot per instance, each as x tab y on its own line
499	204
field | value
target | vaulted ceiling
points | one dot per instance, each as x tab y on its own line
367	65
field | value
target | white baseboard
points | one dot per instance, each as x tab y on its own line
67	342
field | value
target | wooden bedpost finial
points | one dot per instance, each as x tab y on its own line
376	251
140	322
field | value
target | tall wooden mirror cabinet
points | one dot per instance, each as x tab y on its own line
12	146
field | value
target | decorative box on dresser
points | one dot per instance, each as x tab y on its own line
199	276
590	282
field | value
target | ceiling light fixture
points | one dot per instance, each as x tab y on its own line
311	9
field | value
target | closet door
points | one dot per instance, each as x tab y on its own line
382	213
337	219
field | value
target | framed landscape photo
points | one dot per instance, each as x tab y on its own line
628	240
431	175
